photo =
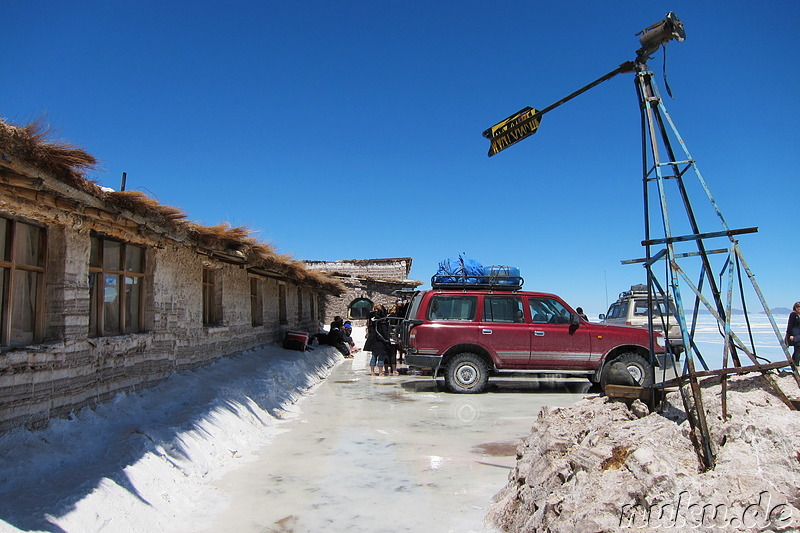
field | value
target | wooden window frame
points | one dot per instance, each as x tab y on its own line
282	314
256	301
212	298
10	268
299	303
320	307
97	289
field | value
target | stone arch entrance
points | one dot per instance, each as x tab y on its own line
359	309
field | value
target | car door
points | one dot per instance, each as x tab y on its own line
555	342
504	330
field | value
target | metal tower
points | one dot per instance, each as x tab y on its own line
675	245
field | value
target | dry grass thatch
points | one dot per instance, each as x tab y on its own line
141	204
68	164
29	145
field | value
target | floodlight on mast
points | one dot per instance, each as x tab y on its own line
659	34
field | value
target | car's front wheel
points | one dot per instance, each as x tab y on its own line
466	373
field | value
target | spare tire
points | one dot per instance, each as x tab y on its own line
638	370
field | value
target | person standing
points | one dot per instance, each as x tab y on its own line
396	354
377	339
793	332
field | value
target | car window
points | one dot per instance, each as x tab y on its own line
415	303
660	308
444	307
548	311
503	309
613	311
623	309
640	307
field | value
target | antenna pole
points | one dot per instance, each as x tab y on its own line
628	66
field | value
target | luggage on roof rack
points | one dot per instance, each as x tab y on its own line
498	277
634	290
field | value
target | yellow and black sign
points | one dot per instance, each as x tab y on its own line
512	130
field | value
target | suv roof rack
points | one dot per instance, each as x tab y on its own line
640	290
495	283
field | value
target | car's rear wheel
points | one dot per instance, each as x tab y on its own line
638	367
466	373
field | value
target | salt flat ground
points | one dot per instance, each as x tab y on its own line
274	440
388	454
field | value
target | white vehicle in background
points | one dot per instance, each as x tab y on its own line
631	309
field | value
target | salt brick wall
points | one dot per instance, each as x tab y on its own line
69	370
378	292
395	269
373	279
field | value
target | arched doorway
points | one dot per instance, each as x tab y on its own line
359	309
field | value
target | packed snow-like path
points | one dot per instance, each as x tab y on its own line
144	461
395	454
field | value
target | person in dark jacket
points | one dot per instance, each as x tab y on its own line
793	332
377	339
401	310
337	337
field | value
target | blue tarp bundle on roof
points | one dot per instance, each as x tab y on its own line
464	271
459	270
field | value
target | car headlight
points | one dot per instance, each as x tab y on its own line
661	341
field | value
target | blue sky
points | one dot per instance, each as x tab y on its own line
341	130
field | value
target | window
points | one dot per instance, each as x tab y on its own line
282	304
22	260
640	307
116	287
320	307
660	308
359	308
256	302
452	308
299	304
503	309
212	298
548	311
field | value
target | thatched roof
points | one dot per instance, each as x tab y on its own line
29	144
27	147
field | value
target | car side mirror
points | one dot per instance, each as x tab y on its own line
574	320
602	316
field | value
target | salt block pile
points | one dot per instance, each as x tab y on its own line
601	465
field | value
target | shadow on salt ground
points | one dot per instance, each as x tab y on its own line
45	473
548	385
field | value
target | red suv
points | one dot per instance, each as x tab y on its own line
471	333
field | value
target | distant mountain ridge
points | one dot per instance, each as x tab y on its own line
734	311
